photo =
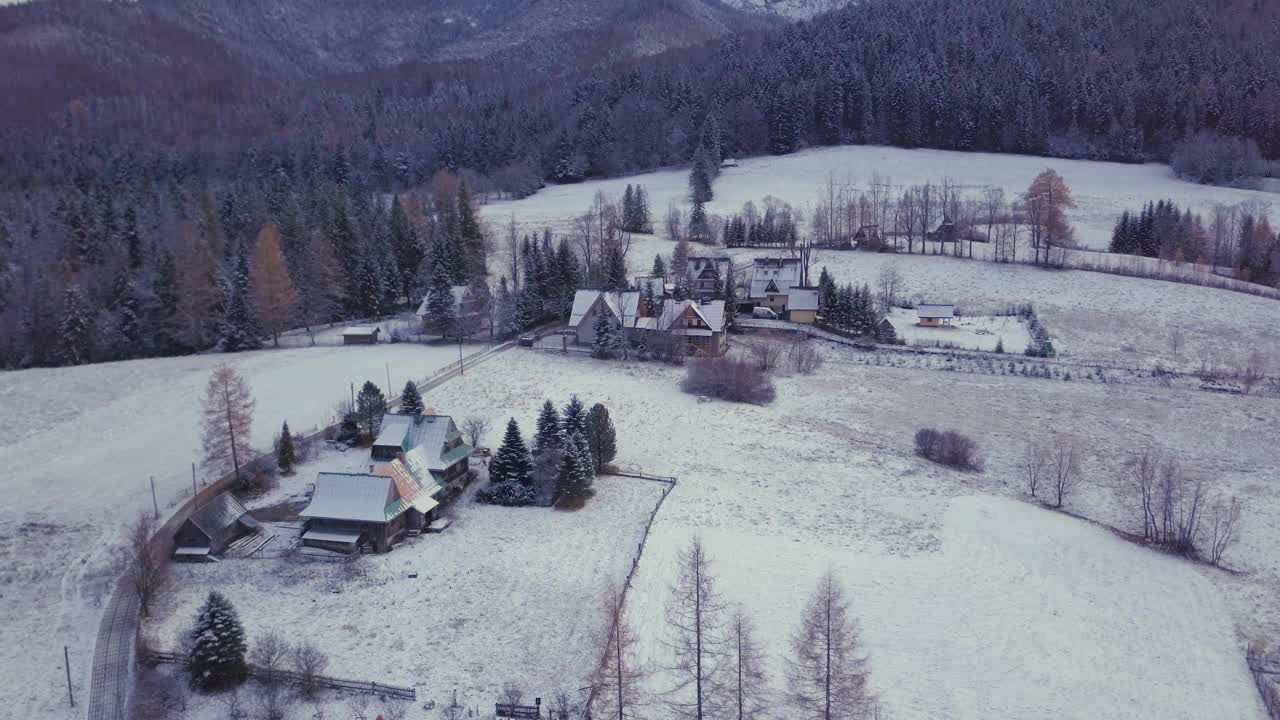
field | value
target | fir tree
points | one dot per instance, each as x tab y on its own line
471	236
602	437
504	309
827	291
643	222
164	289
629	209
512	462
659	266
573	419
238	331
286	455
410	400
75	335
371	405
605	341
549	435
407	248
440	311
615	269
679	269
573	477
700	178
124	310
216	658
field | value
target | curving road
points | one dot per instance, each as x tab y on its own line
113	654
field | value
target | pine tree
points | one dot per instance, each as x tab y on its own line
440	311
615	268
512	462
700	178
286	454
75	336
602	437
659	266
371	405
505	309
573	477
216	658
410	400
238	331
573	419
549	435
604	342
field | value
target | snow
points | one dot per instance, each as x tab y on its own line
967	332
79	457
1102	190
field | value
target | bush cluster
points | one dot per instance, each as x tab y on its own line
948	448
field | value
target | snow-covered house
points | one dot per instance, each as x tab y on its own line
771	281
802	305
701	324
468	309
935	315
434	440
212	527
622	308
706	270
361	335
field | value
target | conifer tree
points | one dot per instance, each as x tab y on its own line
410	400
615	268
164	314
827	291
238	331
286	454
828	672
132	239
217	646
504	309
273	291
371	405
75	336
549	434
440	312
679	270
700	178
573	477
407	248
604	343
573	419
659	266
512	462
470	235
644	223
602	437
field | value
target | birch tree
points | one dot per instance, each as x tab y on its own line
827	672
696	624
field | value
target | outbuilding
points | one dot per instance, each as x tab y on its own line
935	315
361	335
212	527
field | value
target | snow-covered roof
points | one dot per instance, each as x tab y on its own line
218	514
711	313
802	299
935	311
360	330
461	294
584	300
774	275
347	496
332	536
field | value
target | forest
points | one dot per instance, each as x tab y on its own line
123	162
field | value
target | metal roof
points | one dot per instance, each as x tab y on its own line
802	299
361	330
333	536
345	496
935	311
218	514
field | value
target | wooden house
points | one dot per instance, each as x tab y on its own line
212	527
935	315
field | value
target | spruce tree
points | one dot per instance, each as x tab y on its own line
629	209
371	405
604	343
549	435
826	291
406	246
75	336
164	289
132	239
573	477
410	400
512	462
644	223
615	269
238	331
286	454
659	266
573	419
700	178
602	437
679	270
217	655
504	309
440	311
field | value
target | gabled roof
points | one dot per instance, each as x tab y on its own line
711	313
585	300
408	432
351	496
361	330
935	311
219	514
461	295
802	299
774	275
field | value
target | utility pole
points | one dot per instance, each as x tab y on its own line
66	662
390	393
460	372
154	504
193	482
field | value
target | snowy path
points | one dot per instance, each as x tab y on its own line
113	657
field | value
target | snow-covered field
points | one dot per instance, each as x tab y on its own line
972	607
1102	190
968	332
80	445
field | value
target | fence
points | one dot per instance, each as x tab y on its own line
1265	670
293	678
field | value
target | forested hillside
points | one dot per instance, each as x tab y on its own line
136	136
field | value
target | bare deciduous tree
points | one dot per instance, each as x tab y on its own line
358	704
803	356
269	655
270	701
1224	527
395	710
1063	470
1144	472
562	706
512	693
1176	341
474	428
145	562
766	349
616	693
889	286
1034	460
696	624
309	662
827	672
748	681
227	419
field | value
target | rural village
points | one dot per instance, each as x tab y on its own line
692	360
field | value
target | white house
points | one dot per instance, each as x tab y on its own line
772	280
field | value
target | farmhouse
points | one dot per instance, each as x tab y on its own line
707	272
212	527
361	335
433	440
772	280
622	308
700	323
935	315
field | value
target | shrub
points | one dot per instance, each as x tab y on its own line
948	448
510	494
1212	158
729	378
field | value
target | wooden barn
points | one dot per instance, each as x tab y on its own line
935	315
361	335
212	527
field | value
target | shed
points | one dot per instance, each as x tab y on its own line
802	305
886	332
361	335
935	315
213	526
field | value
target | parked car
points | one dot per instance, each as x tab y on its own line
764	313
528	340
